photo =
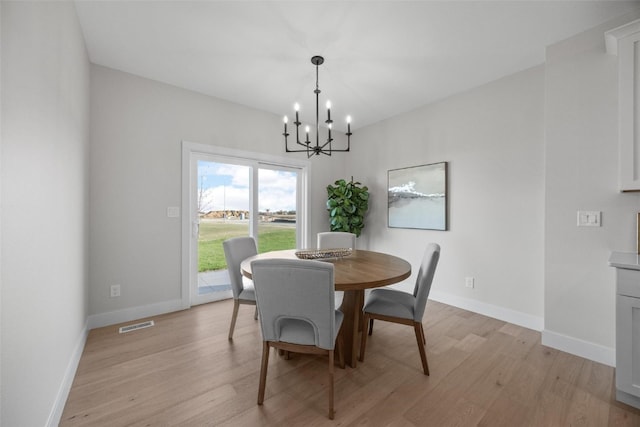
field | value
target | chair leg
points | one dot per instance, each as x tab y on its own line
420	340
363	341
236	306
255	314
341	350
424	340
331	361
263	372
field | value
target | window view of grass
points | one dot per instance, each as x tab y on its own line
271	237
224	194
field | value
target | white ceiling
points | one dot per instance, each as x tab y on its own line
382	58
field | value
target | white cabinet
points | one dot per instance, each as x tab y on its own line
627	327
628	351
624	41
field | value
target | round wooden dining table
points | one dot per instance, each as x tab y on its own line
352	274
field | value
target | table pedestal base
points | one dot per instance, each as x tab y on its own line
352	304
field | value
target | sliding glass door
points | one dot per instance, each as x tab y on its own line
238	196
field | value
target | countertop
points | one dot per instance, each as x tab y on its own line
628	260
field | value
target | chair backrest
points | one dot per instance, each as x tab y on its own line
296	301
336	239
237	250
424	279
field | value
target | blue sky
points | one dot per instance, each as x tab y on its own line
226	186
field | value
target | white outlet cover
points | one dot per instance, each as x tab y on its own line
115	291
469	282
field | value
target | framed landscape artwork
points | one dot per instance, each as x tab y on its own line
418	197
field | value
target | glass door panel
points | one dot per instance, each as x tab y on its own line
223	201
277	209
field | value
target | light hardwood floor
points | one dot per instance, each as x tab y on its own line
184	372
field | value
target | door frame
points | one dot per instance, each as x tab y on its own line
191	149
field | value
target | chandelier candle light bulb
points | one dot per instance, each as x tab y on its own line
317	149
285	120
296	107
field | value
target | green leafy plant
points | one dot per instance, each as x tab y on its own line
347	203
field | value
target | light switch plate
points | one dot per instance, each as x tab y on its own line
589	218
173	212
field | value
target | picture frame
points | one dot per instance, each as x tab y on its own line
418	197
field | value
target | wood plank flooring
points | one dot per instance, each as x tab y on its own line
484	372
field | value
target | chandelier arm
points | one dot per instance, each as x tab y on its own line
296	151
327	143
337	150
289	150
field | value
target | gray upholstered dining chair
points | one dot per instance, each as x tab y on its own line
336	239
396	306
236	250
297	312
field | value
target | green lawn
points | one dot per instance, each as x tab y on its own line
271	237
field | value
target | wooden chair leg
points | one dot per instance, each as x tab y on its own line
341	350
263	372
331	361
255	314
420	340
234	316
370	326
363	341
424	340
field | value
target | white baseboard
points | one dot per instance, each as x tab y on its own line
133	313
67	381
516	317
576	346
97	321
588	350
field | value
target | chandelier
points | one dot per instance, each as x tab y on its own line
309	148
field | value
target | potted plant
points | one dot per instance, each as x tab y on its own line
347	203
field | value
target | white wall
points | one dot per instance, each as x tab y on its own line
137	126
526	152
582	174
492	137
45	130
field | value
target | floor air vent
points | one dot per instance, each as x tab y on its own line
137	326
